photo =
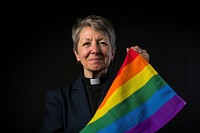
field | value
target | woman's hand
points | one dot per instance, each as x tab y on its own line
143	52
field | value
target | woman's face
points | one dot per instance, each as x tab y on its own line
94	51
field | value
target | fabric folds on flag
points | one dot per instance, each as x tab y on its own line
138	100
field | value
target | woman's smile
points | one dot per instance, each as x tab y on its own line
96	59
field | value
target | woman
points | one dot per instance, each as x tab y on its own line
70	108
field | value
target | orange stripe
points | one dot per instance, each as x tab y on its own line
136	65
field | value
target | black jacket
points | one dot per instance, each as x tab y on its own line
68	109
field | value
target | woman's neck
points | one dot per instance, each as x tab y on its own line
94	74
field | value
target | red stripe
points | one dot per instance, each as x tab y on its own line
132	57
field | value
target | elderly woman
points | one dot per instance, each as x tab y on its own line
69	109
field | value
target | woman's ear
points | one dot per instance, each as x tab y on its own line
77	56
113	54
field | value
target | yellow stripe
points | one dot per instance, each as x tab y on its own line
120	94
135	66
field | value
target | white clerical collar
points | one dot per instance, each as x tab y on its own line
95	81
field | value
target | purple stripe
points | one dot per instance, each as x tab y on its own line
161	117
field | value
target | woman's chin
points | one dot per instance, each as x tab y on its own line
97	68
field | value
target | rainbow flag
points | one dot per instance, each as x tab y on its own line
139	100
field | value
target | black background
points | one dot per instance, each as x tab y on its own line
36	55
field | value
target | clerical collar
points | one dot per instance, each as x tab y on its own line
95	81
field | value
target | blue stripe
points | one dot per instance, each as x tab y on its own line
143	112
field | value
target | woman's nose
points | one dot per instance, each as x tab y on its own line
95	48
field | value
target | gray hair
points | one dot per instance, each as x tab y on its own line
96	22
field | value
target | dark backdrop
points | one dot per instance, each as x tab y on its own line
37	56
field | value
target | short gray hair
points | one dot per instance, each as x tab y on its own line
96	22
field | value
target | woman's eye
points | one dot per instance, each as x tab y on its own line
86	44
103	43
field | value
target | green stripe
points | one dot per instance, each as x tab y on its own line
127	105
